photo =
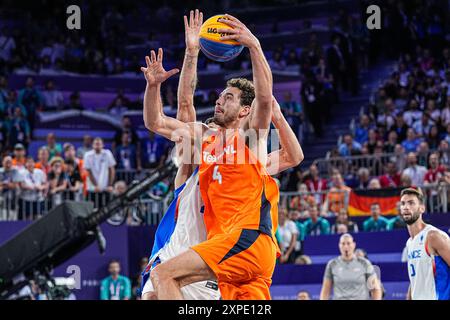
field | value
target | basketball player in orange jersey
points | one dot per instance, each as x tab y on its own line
240	199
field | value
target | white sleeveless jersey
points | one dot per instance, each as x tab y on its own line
189	230
429	275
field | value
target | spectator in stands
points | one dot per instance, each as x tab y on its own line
288	233
74	180
303	295
54	148
292	112
413	113
316	184
115	286
34	187
377	222
70	154
386	118
337	197
423	151
32	99
132	135
155	151
19	129
422	126
434	176
118	108
124	101
372	141
444	152
19	159
374	183
362	130
302	202
57	181
349	147
363	179
412	142
400	127
312	99
350	277
126	154
9	180
433	137
99	163
53	99
316	225
343	219
43	163
391	178
397	222
87	146
74	102
277	62
414	171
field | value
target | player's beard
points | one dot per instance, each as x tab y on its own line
414	217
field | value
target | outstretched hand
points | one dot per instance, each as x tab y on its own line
192	29
154	72
240	32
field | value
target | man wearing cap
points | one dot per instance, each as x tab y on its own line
19	159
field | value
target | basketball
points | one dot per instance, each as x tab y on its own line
211	44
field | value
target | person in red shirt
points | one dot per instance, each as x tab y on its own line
391	179
316	183
434	176
435	172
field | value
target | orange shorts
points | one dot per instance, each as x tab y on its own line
243	262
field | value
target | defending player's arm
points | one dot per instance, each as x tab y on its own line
154	117
439	244
290	154
260	117
375	291
188	76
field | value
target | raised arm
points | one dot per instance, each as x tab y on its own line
290	154
188	76
262	75
154	117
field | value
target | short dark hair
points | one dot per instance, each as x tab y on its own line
70	162
415	192
247	88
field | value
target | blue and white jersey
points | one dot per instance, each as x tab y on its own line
181	227
429	275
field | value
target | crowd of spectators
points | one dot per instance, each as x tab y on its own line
30	187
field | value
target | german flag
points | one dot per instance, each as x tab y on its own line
361	200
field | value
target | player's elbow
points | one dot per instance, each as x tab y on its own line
154	125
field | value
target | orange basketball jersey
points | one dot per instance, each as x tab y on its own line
237	194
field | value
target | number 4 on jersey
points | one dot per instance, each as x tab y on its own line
216	175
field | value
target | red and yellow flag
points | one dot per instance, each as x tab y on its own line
361	200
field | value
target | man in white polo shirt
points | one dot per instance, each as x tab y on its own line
33	189
99	164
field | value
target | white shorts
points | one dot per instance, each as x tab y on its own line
205	290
